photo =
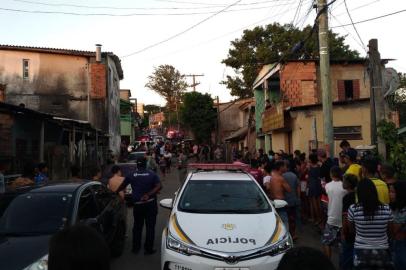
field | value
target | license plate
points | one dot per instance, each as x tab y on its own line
175	266
231	268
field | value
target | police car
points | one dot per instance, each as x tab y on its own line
222	220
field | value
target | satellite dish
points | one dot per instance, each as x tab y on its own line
391	81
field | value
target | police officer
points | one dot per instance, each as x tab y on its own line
145	185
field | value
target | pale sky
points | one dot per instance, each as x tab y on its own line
198	51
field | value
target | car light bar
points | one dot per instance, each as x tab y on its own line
218	166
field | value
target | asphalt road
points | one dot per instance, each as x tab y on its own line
308	236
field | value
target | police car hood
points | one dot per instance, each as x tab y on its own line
227	232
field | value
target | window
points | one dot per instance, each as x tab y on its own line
87	206
223	197
26	69
348	133
349	89
102	196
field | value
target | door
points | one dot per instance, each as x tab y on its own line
107	210
87	209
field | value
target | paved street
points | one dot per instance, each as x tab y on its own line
308	236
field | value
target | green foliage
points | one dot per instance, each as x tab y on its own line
402	77
396	146
198	114
152	109
167	82
266	45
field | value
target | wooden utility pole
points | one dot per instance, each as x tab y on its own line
325	77
194	84
218	121
377	100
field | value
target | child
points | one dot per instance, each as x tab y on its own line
335	193
162	166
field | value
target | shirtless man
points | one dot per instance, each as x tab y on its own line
116	180
277	188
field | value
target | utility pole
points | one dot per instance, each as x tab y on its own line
377	100
325	77
218	121
194	84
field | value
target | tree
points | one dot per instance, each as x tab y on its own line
396	146
152	109
199	115
169	83
266	45
402	82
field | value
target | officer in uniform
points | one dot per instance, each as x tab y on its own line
145	185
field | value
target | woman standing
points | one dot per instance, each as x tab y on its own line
314	189
397	193
371	221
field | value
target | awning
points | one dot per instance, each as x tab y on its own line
402	131
266	72
238	134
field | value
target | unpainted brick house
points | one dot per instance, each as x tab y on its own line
71	84
289	111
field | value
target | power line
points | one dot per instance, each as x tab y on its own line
182	32
133	14
349	33
359	7
353	25
281	12
138	8
372	19
299	6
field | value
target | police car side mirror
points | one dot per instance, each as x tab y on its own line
279	203
166	203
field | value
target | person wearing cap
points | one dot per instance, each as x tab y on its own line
350	157
145	185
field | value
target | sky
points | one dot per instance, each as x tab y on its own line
197	51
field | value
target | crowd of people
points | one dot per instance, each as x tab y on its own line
356	204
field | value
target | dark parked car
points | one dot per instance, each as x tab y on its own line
136	155
29	218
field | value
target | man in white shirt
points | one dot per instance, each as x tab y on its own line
335	193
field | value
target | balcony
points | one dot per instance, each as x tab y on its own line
273	118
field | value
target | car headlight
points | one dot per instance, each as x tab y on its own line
41	264
180	247
280	247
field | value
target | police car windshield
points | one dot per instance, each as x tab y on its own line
34	214
223	197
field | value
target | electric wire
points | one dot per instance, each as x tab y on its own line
372	19
140	8
182	32
353	25
72	13
267	18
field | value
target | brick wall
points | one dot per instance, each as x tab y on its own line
299	83
98	80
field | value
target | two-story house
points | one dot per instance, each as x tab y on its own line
289	111
72	84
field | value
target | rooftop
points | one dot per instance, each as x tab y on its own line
73	52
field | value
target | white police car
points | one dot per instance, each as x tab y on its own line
222	220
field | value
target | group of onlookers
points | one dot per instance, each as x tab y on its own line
355	203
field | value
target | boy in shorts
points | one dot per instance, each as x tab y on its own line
335	193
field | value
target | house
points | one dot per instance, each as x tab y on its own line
236	124
71	84
288	109
156	120
129	118
28	137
